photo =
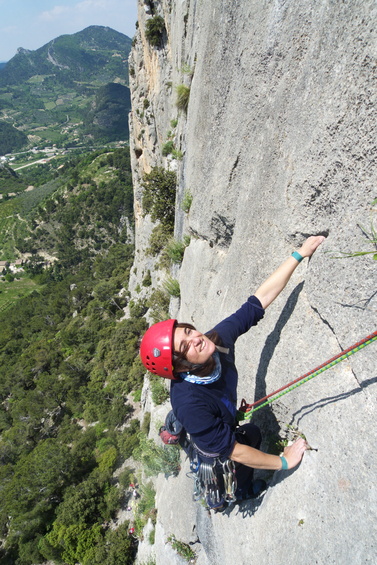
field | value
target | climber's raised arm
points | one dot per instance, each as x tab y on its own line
272	287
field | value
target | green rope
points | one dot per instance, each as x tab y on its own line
247	415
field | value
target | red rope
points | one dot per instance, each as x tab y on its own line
244	407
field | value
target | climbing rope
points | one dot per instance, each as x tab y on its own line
246	411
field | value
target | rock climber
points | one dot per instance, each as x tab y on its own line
204	380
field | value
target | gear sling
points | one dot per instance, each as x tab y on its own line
217	479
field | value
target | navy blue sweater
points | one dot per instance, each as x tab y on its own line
208	412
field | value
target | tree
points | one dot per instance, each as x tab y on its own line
154	30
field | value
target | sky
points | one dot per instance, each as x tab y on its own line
33	23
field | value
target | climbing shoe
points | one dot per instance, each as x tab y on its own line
255	489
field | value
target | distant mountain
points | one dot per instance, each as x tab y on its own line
2	65
95	53
50	93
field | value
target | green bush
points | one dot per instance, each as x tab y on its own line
145	426
183	96
154	30
147	280
177	154
146	507
187	201
175	249
183	549
152	536
157	459
159	391
137	309
158	240
187	70
159	196
125	477
158	303
129	439
136	395
136	374
167	148
116	549
148	498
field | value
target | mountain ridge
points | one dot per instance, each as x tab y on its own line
50	94
55	54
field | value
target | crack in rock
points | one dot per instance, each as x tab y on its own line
340	346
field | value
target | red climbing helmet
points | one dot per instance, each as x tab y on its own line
156	349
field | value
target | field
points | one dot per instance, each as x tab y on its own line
13	214
10	292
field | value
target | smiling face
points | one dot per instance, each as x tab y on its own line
197	347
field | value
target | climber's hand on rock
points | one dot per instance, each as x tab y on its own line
310	245
294	453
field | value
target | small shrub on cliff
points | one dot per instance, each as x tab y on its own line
137	308
177	154
172	287
158	303
147	280
145	509
158	390
175	249
183	96
146	424
183	549
159	196
154	30
125	477
157	459
157	241
167	148
187	201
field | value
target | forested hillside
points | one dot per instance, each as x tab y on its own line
10	138
108	118
68	358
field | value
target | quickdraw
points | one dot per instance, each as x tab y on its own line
207	477
246	411
230	481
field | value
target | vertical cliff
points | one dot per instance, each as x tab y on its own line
278	142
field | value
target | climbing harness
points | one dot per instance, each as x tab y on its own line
246	411
214	476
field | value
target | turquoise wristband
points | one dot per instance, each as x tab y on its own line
297	256
284	463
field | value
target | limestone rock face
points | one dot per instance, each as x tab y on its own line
279	142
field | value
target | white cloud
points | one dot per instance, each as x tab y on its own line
88	5
54	14
8	29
